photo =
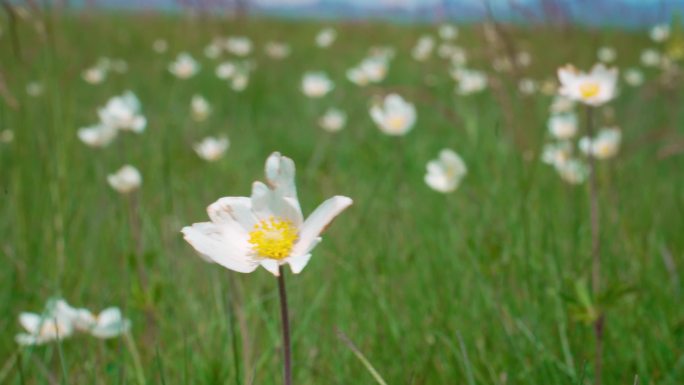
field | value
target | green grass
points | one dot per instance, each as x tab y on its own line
466	288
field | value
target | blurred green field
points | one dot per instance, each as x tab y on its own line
466	288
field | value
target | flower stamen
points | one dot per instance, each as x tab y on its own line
273	238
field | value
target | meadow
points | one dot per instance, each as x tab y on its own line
482	285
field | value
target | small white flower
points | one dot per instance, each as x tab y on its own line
160	46
650	57
448	32
524	58
213	50
606	54
469	81
226	70
109	323
527	86
125	180
51	325
660	33
240	81
200	108
634	77
562	104
563	126
326	37
267	229
374	68
573	171
423	48
459	57
98	135
239	45
358	76
34	89
277	50
604	145
316	84
333	120
94	75
123	113
211	148
395	116
594	88
184	66
556	154
445	173
6	136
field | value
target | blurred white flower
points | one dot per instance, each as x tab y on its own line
524	58
423	48
448	32
469	81
211	148
502	64
563	126
573	171
316	84
556	154
184	66
123	113
119	66
459	57
326	37
374	68
160	46
358	76
604	145
200	108
527	86
386	53
606	54
634	77
277	50
239	45
240	81
660	32
212	50
94	75
445	173
395	116
333	120
109	323
43	328
267	229
125	180
650	57
6	136
98	135
446	50
561	104
34	89
594	88
226	70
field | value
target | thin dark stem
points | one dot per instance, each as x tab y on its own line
594	212
284	315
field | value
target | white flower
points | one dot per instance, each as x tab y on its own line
634	77
563	126
556	154
333	120
326	37
6	136
573	171
200	108
184	66
41	329
277	50
240	81
358	76
34	89
374	68
448	32
650	57
660	33
594	88
109	323
266	229
211	148
606	54
395	116
423	48
98	135
446	50
445	173
125	180
459	57
469	81
160	46
524	58
226	70
527	86
213	50
562	104
604	146
316	84
123	113
94	75
239	45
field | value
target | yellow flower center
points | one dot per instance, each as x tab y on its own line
396	122
589	89
273	238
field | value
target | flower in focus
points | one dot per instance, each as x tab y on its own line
98	135
634	77
606	54
200	108
395	116
563	126
445	173
125	180
333	120
160	46
316	84
184	66
266	229
123	113
594	88
277	50
660	32
212	149
239	45
326	37
604	145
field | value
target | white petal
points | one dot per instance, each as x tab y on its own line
108	316
30	321
271	265
227	248
239	209
298	263
318	221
